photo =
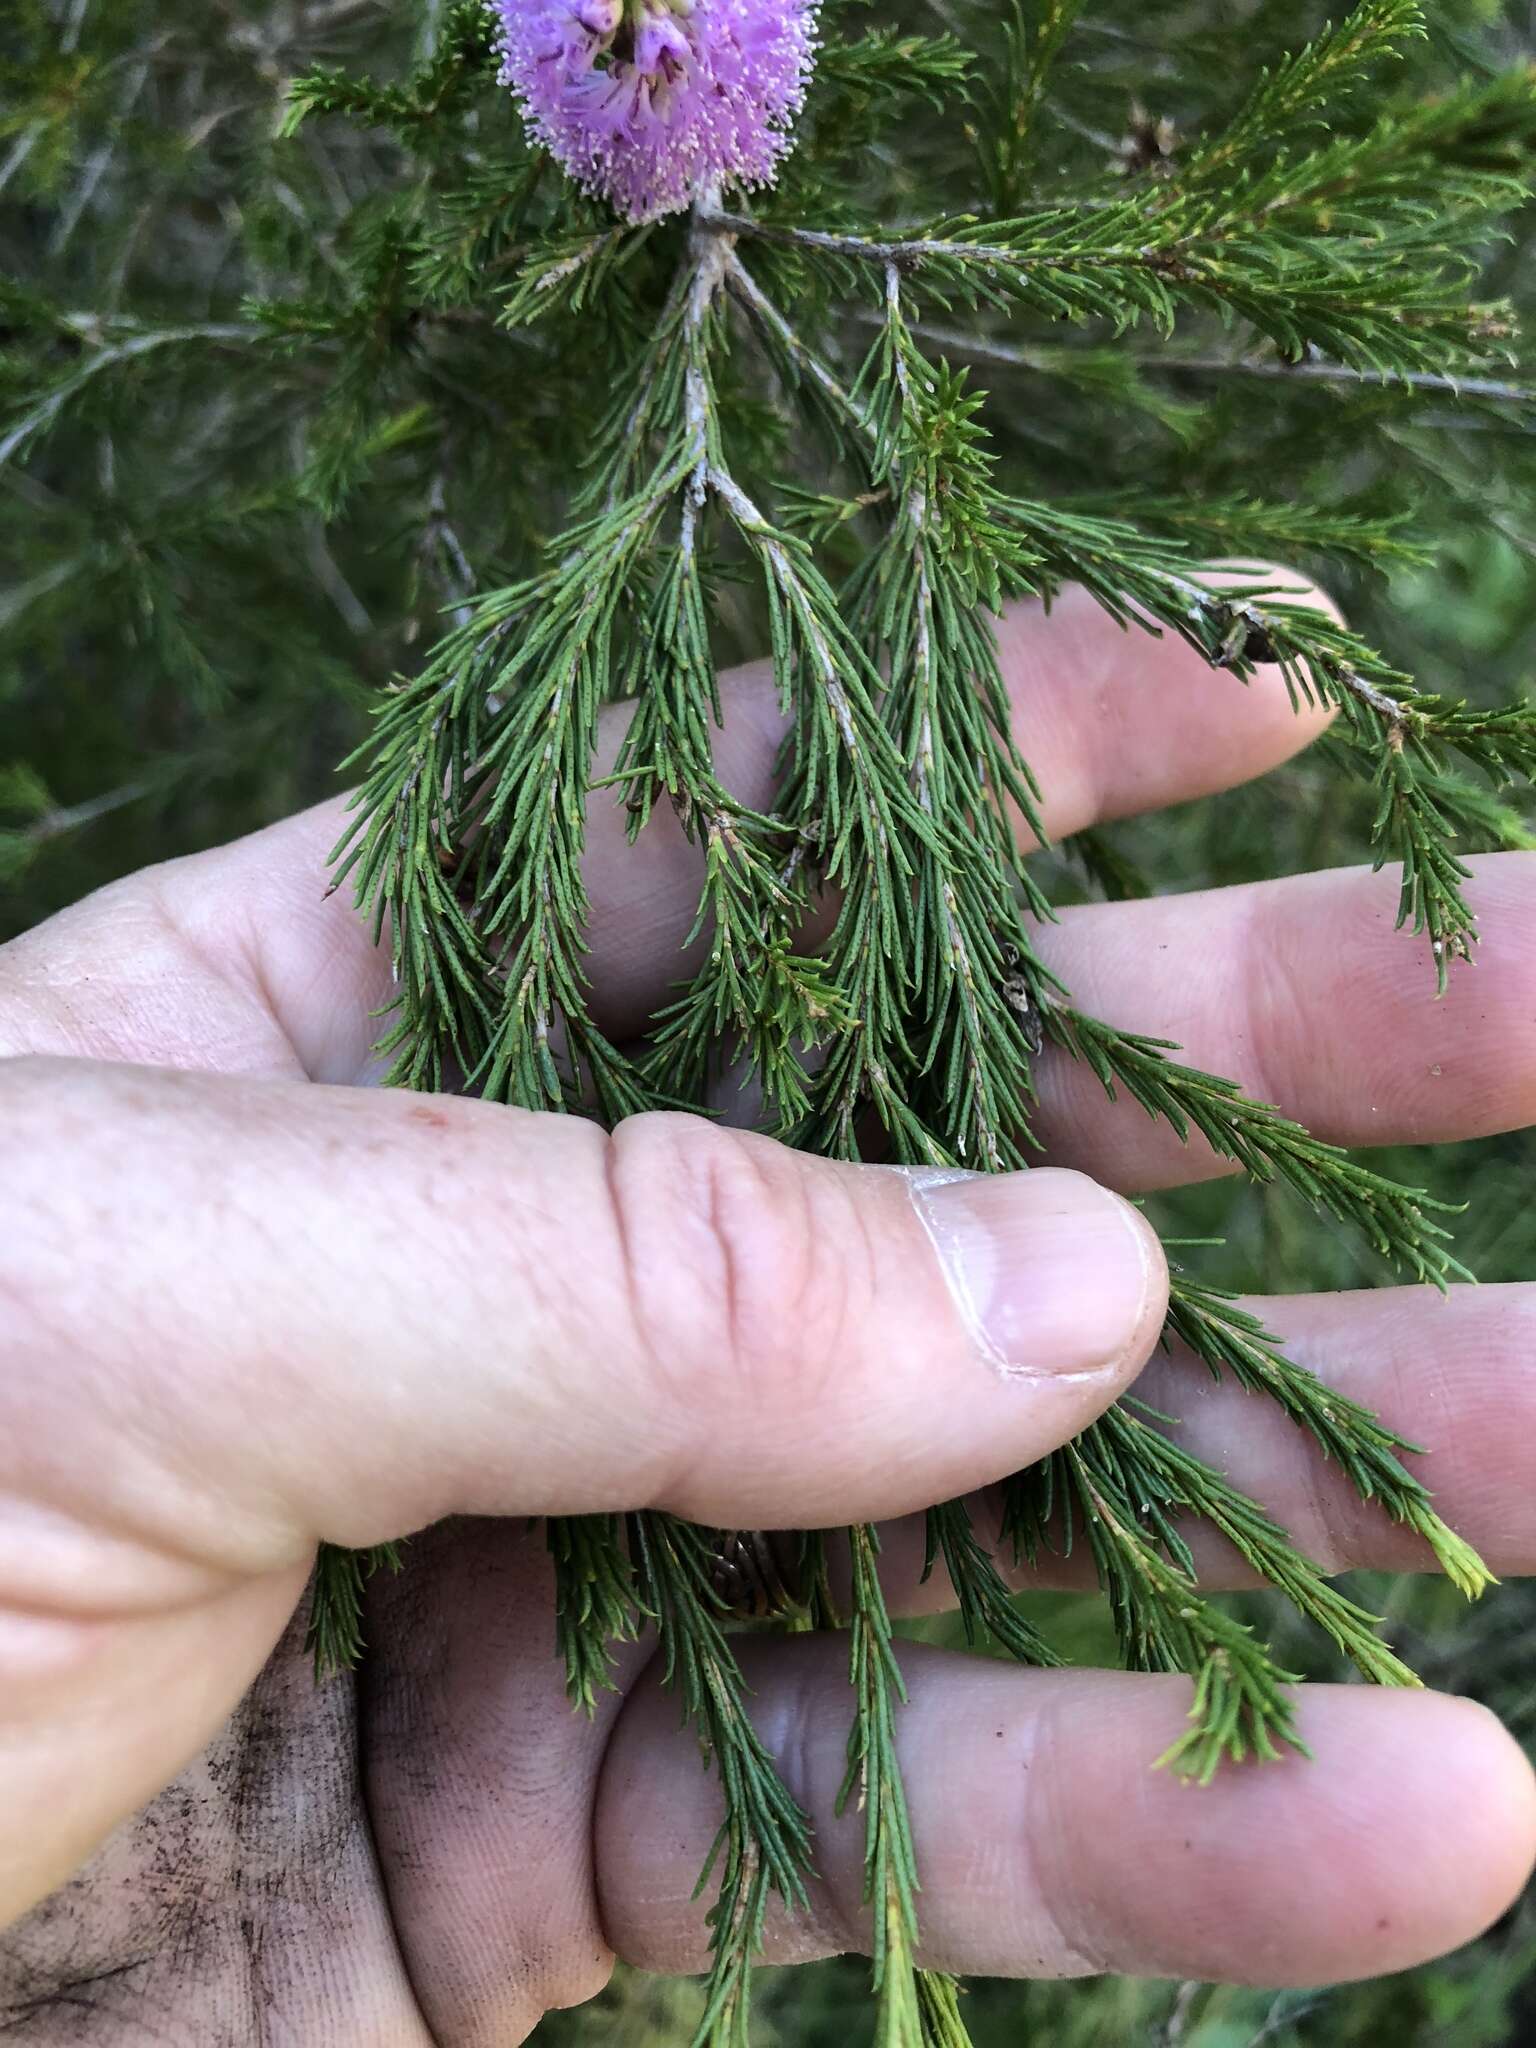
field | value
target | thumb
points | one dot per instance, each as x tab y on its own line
305	1312
237	1317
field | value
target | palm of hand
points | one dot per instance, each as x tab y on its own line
441	1850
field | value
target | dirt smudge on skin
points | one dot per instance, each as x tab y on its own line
214	1919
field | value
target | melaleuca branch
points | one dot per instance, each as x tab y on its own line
1327	247
992	352
874	1778
334	1632
745	422
1233	1342
1407	736
597	1599
1397	1222
988	1610
1124	1453
468	840
763	1848
1240	1706
117	344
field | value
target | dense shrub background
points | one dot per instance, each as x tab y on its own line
192	623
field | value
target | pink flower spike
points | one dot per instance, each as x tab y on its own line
658	38
648	102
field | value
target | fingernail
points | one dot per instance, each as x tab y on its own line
1052	1273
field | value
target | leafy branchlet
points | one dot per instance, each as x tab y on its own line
763	1849
873	1780
335	1634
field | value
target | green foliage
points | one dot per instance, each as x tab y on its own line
596	1602
763	1848
987	1608
318	384
335	1636
1005	141
459	53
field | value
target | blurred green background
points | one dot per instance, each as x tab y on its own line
189	642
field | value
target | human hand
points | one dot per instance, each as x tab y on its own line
246	1304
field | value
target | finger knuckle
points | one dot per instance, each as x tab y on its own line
738	1272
